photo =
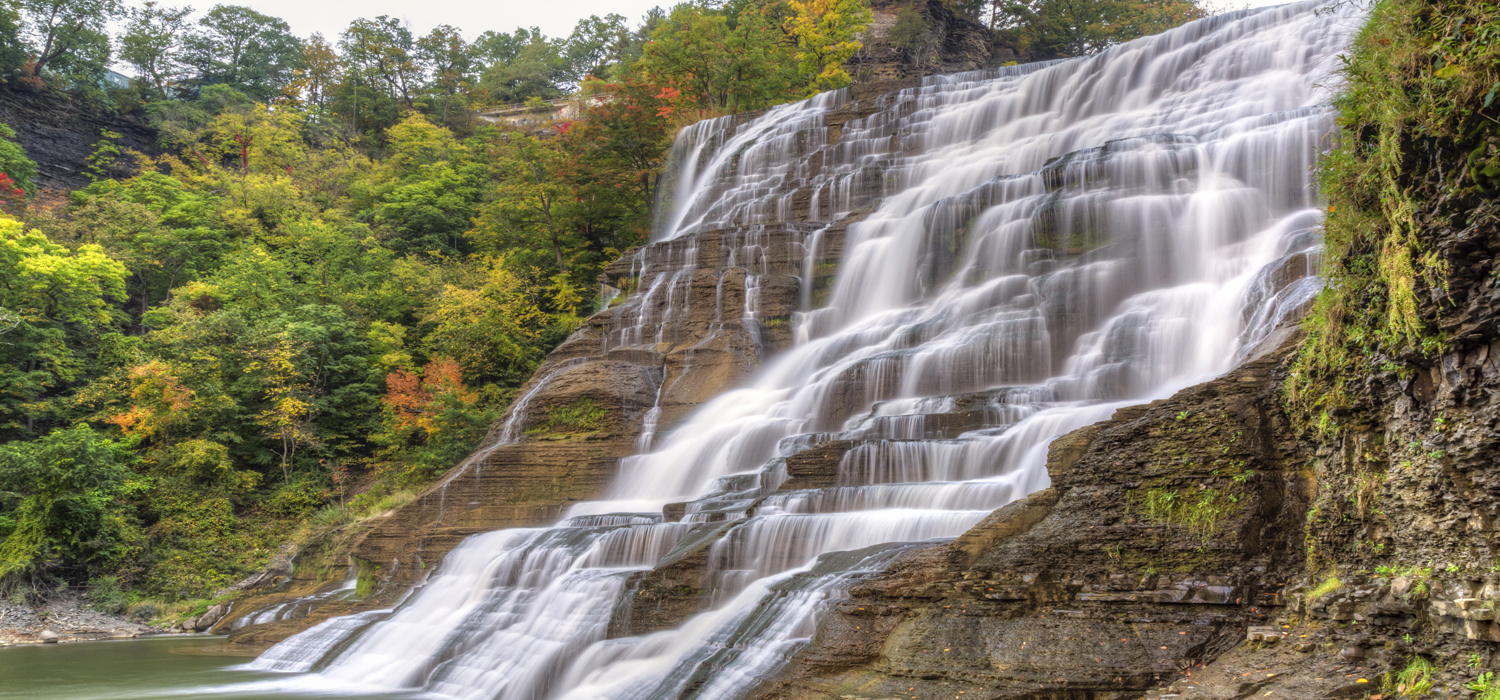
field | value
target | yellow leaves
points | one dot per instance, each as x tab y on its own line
258	138
825	32
45	281
158	401
487	322
1452	70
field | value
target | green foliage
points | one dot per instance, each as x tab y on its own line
105	159
910	30
581	416
68	40
60	510
1412	681
331	286
716	63
1329	585
1082	27
106	596
13	50
825	32
1199	512
153	45
1418	85
1485	687
13	161
60	301
242	49
366	578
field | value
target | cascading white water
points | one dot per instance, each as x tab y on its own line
1036	245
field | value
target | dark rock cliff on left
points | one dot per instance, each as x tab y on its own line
59	132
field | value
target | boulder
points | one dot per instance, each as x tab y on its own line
207	619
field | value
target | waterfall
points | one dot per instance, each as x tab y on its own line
1027	248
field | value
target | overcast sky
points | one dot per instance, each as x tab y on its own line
555	17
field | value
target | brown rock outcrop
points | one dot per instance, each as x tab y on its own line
946	43
1165	531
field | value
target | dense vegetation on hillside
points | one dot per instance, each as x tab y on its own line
1422	90
334	280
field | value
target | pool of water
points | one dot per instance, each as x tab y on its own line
147	669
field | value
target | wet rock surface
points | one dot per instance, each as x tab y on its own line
1180	550
1083	590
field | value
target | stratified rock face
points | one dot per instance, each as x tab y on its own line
692	318
59	132
1404	530
686	320
1164	529
947	43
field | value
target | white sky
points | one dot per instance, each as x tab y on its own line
555	17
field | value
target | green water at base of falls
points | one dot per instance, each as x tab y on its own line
154	669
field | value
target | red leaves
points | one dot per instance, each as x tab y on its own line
9	192
669	96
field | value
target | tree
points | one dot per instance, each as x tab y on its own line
498	48
594	45
287	418
165	234
1082	27
13	50
59	504
620	149
531	201
244	49
825	32
314	78
451	60
153	45
383	50
430	419
432	190
1146	17
63	299
538	70
69	37
489	323
159	402
720	66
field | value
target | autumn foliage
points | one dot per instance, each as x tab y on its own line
415	399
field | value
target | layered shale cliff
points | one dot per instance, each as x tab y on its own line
59	132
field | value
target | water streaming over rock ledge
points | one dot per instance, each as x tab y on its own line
1024	250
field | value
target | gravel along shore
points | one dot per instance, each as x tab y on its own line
66	618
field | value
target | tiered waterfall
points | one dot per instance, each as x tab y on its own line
1034	245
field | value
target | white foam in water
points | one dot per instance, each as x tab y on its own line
1049	241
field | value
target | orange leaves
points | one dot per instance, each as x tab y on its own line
415	400
669	97
158	401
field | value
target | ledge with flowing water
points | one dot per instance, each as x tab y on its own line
1020	253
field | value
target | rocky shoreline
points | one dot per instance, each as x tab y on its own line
66	618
